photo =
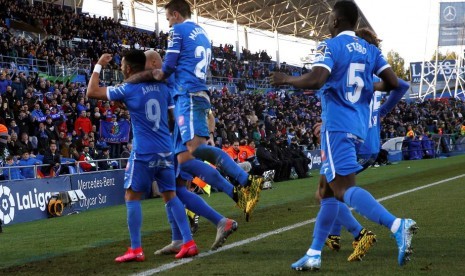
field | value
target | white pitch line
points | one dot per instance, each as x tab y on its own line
174	264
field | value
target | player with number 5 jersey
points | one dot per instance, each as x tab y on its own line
344	69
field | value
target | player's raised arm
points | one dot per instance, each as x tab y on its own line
94	91
394	97
312	80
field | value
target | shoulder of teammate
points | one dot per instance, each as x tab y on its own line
380	61
119	92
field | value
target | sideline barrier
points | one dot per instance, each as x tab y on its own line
27	200
102	189
315	159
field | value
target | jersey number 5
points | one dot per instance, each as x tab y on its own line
201	67
354	79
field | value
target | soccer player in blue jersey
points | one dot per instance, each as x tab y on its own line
192	201
366	155
152	155
344	69
188	58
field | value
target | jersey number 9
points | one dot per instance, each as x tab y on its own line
152	111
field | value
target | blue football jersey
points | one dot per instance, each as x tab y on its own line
347	93
371	144
188	56
148	104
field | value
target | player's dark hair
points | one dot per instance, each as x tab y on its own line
135	59
181	6
347	10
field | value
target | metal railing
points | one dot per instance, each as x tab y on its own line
25	64
78	66
75	165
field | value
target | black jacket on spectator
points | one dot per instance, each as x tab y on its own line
50	159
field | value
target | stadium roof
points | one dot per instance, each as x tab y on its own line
300	18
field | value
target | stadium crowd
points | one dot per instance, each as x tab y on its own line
40	114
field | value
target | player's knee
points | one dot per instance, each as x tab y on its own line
131	195
168	195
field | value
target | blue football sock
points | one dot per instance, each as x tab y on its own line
366	205
223	161
175	233
208	174
336	229
179	214
197	205
134	217
324	221
347	219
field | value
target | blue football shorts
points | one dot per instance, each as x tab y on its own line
339	154
191	113
143	169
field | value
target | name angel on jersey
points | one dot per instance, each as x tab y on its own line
197	31
150	88
355	46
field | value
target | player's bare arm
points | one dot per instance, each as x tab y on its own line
312	80
93	89
147	76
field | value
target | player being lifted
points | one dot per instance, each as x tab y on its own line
187	60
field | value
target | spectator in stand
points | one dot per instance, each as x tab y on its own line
13	127
106	164
52	158
3	83
37	113
24	121
92	150
81	106
14	146
25	144
51	128
126	153
82	124
43	138
86	161
11	171
26	160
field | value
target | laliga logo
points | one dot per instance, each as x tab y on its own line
7	205
313	160
449	13
310	165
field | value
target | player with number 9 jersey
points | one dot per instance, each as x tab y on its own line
150	123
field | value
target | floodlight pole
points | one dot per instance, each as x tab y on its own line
115	10
276	35
236	30
246	38
155	11
133	13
